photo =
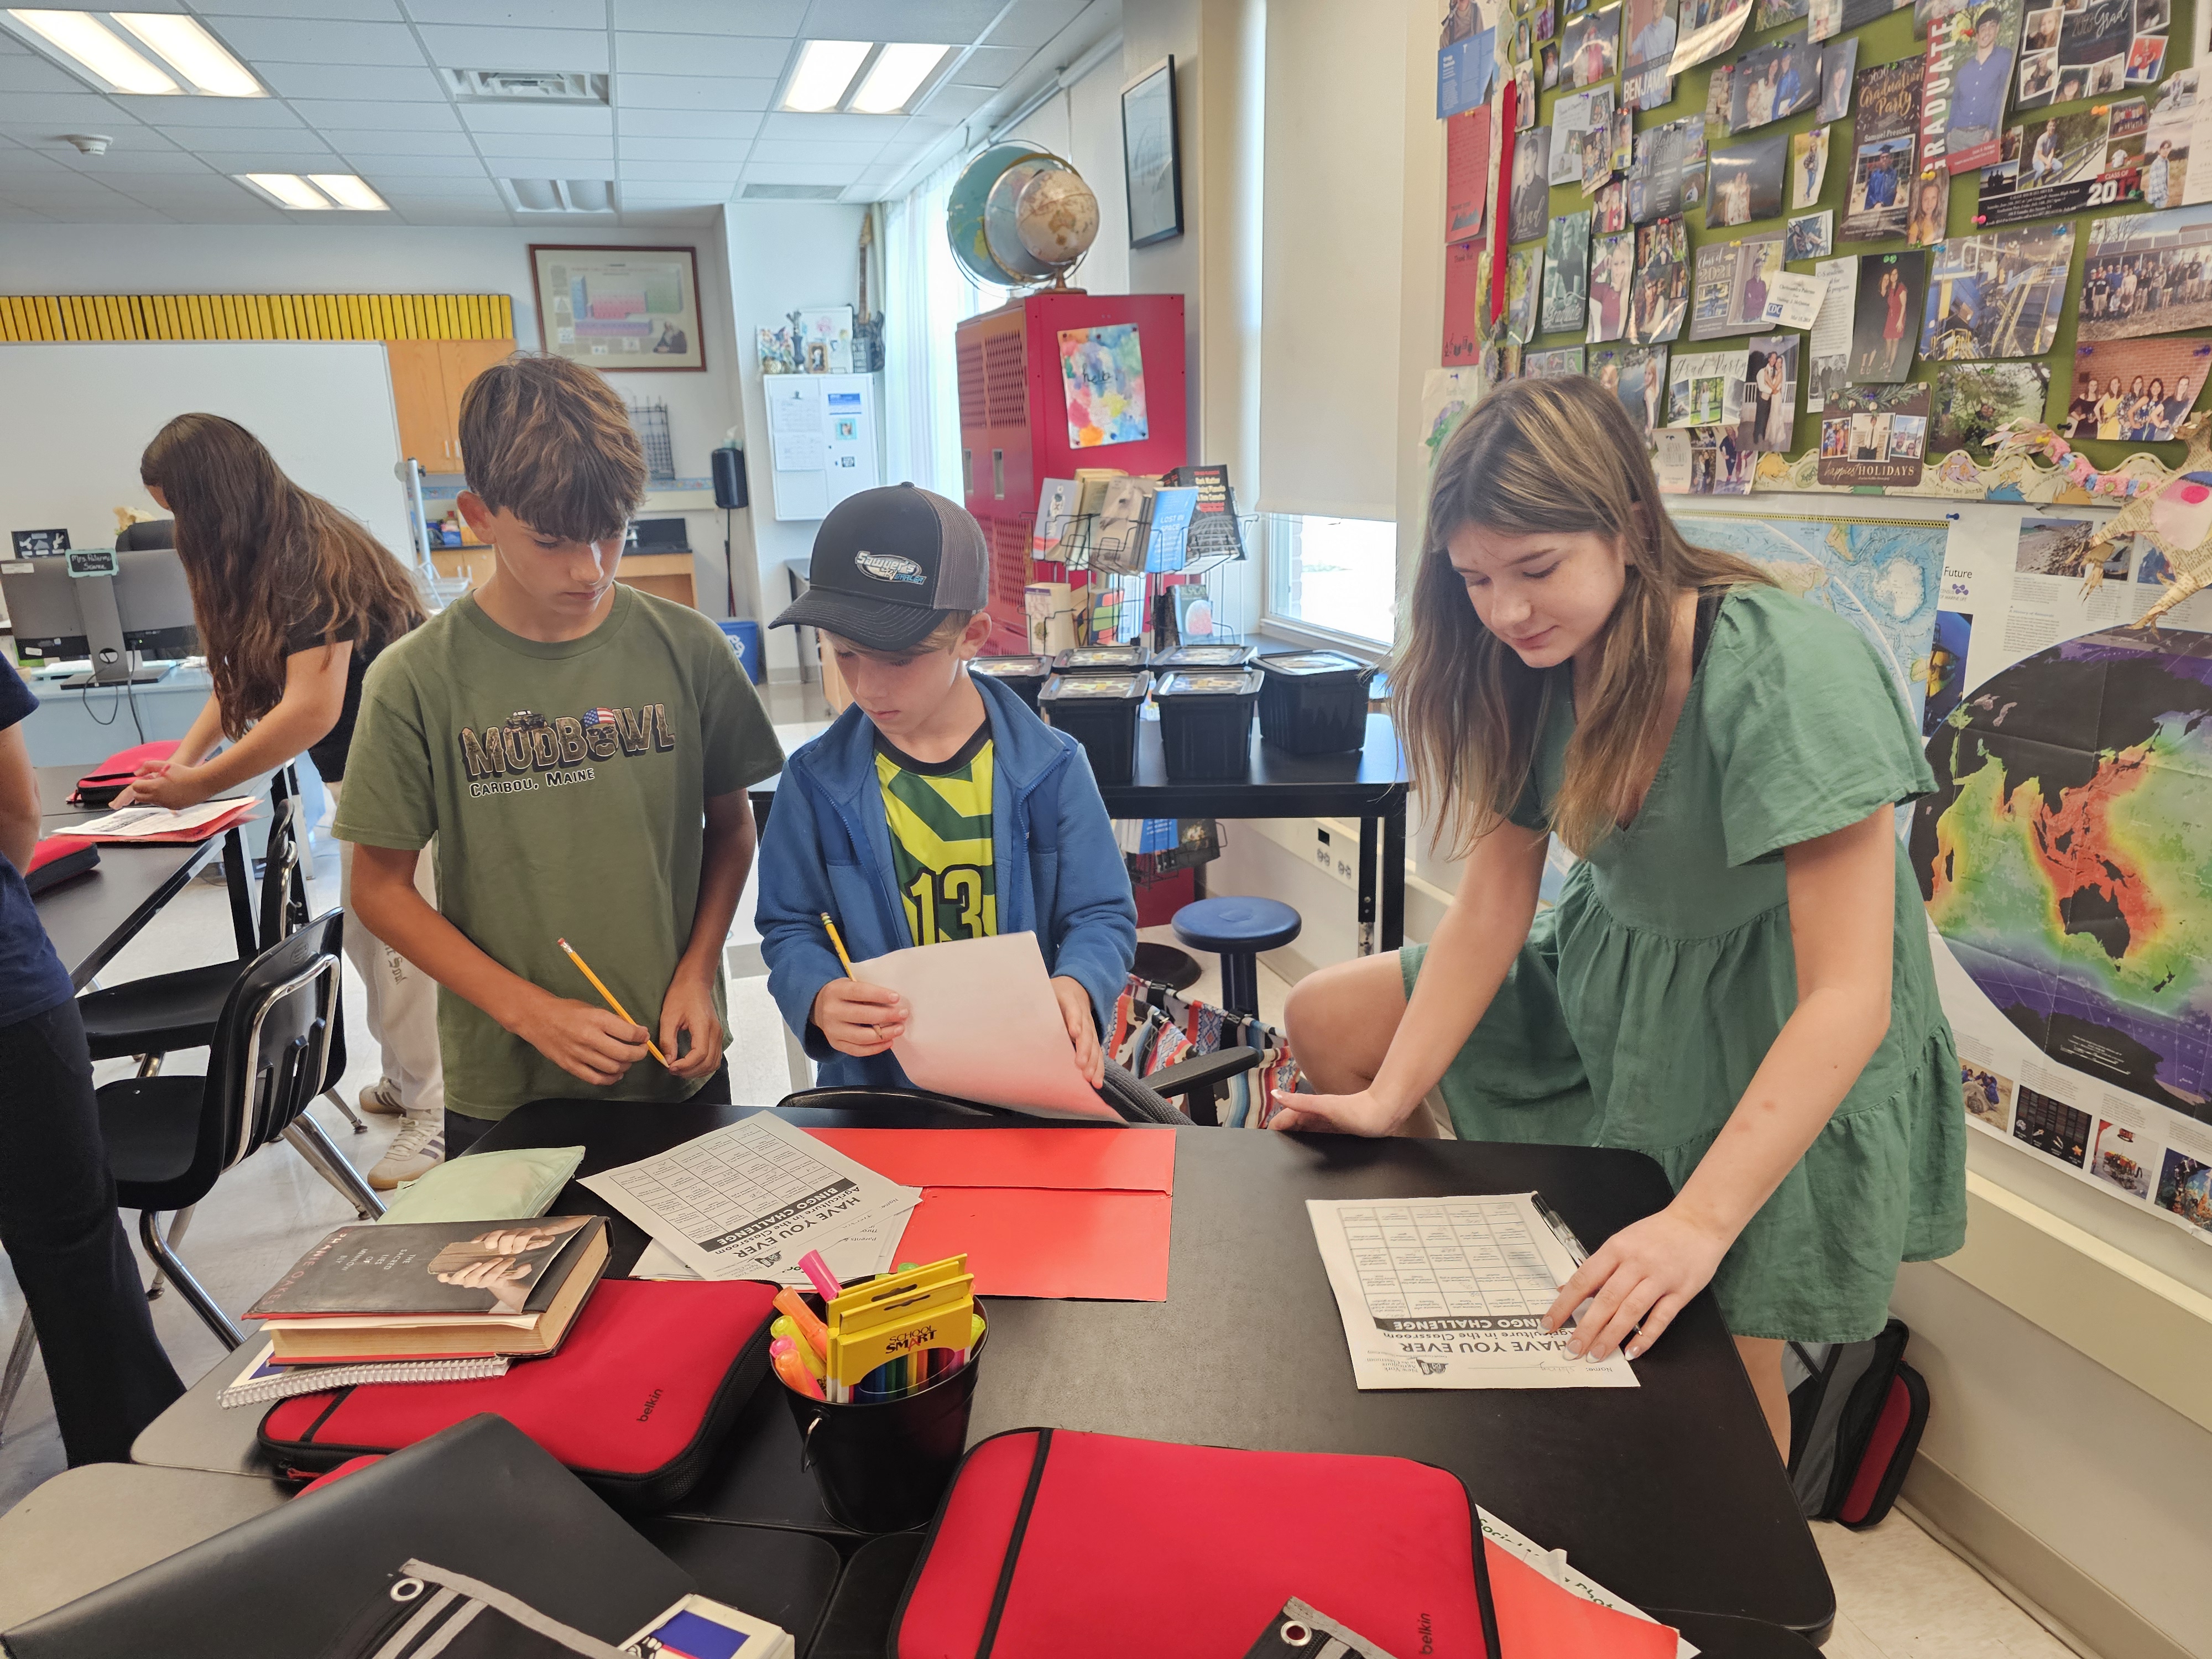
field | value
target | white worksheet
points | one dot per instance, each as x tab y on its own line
1451	1293
1017	1055
136	821
747	1202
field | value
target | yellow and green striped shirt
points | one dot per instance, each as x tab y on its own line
940	824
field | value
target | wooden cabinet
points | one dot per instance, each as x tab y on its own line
428	379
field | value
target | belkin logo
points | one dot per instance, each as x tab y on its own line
890	567
651	1401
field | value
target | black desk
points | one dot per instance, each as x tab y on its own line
91	917
1669	1494
1368	784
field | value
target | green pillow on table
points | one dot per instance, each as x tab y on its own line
510	1186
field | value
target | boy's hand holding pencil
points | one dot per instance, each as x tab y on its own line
854	1017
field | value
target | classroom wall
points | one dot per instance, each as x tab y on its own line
780	256
398	260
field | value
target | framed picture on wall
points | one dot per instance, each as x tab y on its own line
631	309
1151	155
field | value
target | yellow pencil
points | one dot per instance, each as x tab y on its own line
835	940
607	996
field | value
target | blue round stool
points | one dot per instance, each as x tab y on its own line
1238	929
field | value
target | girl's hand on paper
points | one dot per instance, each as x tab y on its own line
857	1019
160	783
585	1040
688	1006
1075	1011
1643	1275
1363	1114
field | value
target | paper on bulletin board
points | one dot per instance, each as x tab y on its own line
821	433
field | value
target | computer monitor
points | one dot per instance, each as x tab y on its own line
115	609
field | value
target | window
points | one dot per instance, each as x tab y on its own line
1335	575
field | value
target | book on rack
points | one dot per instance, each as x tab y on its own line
1090	483
1117	534
435	1290
1213	523
265	1380
1173	518
1055	513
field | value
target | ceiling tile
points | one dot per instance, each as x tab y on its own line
366	11
12	214
243	212
132	162
581	51
817	149
541	13
298	160
129	139
746	55
585	118
685	149
399	167
694	91
18	162
958	103
548	148
668	218
26	71
953	21
338	115
1032	23
70	111
800	173
990	66
781	17
321	80
688	122
169	113
649	172
114	209
442	189
387	144
290	39
201	139
783	123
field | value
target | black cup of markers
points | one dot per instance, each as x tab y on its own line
882	1465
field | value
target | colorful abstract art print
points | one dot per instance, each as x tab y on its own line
1102	371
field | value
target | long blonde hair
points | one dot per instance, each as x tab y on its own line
1534	456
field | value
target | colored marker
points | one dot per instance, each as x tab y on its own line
818	1274
795	1376
803	1321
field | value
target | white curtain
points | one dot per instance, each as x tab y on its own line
925	294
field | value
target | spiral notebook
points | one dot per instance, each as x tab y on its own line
265	1380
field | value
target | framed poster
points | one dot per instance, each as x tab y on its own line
1151	155
631	309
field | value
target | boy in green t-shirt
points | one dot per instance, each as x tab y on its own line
580	752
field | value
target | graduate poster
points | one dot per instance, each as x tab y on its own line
1884	136
1968	74
2059	165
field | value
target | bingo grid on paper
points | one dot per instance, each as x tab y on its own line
707	1188
1467	1258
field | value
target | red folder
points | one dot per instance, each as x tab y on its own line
1073	1212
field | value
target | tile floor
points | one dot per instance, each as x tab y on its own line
1902	1595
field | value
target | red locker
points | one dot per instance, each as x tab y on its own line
1013	420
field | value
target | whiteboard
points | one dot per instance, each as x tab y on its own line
824	440
75	417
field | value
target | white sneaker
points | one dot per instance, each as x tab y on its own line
417	1149
381	1098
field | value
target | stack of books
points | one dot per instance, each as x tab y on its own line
424	1301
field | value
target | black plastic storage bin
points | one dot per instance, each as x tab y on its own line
1099	711
1101	659
1204	655
1023	675
1314	702
1205	721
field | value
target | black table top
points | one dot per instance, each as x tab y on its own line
1669	1494
91	917
1279	785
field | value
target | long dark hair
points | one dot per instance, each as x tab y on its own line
1557	455
260	553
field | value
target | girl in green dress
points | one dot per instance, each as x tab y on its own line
1735	980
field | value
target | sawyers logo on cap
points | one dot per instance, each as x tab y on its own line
890	567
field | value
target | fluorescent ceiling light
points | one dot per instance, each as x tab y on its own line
287	188
349	191
900	69
95	48
197	55
825	68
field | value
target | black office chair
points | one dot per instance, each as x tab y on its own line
148	1018
170	1137
147	532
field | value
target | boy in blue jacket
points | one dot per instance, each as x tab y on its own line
936	807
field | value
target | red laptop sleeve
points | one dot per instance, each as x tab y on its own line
100	786
1076	1546
636	1400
